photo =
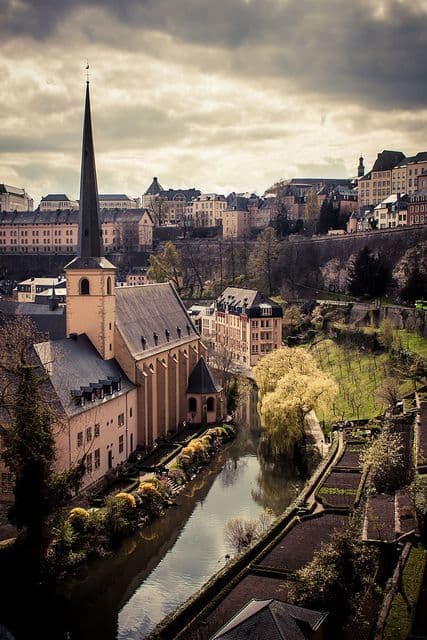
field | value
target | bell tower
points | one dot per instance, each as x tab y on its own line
91	301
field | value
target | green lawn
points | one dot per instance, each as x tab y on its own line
413	342
399	620
359	374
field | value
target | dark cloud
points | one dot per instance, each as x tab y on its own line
372	51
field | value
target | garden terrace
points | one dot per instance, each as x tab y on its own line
298	546
340	489
404	428
388	517
351	457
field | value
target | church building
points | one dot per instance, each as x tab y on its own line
121	373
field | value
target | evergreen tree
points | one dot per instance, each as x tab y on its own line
281	223
369	274
415	287
28	444
329	217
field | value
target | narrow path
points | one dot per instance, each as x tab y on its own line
315	434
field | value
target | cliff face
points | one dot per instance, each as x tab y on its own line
308	265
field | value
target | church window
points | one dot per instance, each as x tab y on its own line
108	286
210	404
192	405
84	287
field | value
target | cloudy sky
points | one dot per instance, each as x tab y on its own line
218	94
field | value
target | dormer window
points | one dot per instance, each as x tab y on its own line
188	329
143	342
178	330
167	334
156	338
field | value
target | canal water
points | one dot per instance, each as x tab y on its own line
126	595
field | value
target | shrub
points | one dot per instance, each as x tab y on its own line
118	519
177	475
79	519
127	498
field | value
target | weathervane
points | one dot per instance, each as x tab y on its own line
87	71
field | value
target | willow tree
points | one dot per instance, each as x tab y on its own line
290	386
28	418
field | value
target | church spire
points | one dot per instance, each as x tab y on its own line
89	242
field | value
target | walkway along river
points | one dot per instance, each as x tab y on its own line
126	595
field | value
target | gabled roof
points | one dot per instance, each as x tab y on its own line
271	620
54	197
75	363
201	380
151	317
154	189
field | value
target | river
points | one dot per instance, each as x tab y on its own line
126	595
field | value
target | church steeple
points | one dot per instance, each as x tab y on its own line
91	300
89	243
360	168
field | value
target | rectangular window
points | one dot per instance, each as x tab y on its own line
89	463
88	434
96	430
121	444
97	458
130	412
80	438
121	419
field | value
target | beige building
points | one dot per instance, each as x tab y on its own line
118	201
392	212
404	175
167	206
14	199
57	202
247	324
377	184
27	290
57	231
206	210
126	369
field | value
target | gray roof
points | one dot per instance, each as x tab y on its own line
386	160
271	620
201	380
154	189
7	188
113	196
75	363
53	197
89	263
189	194
237	297
52	323
69	216
237	203
148	311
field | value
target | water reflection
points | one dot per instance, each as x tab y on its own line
126	595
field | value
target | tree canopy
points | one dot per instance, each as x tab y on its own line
369	274
263	259
290	386
166	266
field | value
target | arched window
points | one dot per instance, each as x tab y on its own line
108	286
192	405
210	404
84	287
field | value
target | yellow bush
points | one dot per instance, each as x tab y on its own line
78	513
126	498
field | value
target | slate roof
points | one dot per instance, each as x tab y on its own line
237	203
387	160
49	322
236	298
271	620
71	216
189	194
154	189
113	196
419	157
73	364
53	197
146	311
201	380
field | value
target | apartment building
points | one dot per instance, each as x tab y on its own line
392	212
377	183
417	205
247	324
404	175
57	231
57	202
14	199
29	289
167	206
206	210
